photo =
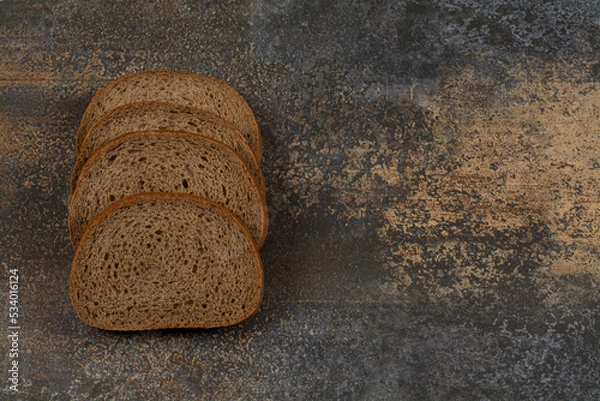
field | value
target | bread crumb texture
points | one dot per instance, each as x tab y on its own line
150	116
166	262
193	90
157	161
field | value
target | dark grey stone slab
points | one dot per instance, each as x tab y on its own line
432	174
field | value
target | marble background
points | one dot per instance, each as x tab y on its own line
433	175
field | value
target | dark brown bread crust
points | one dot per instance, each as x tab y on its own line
187	301
246	123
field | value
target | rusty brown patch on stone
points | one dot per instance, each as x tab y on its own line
509	187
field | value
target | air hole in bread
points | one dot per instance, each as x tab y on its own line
185	184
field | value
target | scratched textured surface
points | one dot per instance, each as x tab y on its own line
433	173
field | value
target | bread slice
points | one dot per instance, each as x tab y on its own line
157	261
150	116
187	89
163	161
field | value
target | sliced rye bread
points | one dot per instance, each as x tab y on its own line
163	161
158	261
188	89
153	116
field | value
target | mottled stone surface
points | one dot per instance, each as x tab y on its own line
433	173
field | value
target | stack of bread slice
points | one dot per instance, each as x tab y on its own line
167	209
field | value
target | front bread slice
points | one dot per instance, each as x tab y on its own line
187	89
157	261
164	161
151	116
